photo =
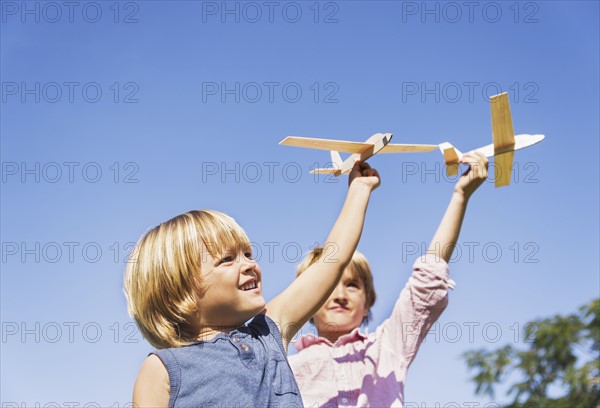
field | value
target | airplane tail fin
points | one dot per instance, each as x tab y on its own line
452	157
335	169
336	159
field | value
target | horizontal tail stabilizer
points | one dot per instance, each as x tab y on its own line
335	172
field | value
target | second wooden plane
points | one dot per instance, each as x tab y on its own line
505	142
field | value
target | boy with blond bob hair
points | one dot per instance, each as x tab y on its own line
192	286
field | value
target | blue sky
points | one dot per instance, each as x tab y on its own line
119	115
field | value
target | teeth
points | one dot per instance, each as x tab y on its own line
249	286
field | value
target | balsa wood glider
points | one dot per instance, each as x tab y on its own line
378	143
504	146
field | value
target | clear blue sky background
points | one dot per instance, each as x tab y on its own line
66	335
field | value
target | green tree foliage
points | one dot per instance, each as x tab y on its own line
561	351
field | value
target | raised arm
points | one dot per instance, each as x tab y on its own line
301	300
425	295
445	238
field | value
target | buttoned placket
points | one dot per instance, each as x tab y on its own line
340	376
240	342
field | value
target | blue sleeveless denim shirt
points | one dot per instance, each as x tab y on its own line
244	368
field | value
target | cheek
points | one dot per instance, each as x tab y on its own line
361	300
326	303
321	315
322	311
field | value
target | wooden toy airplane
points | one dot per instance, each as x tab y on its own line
378	143
504	146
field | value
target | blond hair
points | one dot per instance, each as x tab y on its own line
162	277
360	269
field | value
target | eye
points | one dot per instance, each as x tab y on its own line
226	259
248	255
352	284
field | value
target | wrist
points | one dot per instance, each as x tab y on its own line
461	196
357	185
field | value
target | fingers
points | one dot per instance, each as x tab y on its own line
478	164
360	166
474	157
367	175
371	173
365	169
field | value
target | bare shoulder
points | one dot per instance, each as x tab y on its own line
152	387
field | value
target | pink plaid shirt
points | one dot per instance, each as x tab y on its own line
369	370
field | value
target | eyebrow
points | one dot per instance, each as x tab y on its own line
229	251
233	251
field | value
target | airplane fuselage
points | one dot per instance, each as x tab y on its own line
378	141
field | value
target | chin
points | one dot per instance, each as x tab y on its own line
343	323
347	327
260	306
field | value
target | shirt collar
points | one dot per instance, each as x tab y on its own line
308	340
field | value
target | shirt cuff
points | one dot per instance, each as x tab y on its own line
435	265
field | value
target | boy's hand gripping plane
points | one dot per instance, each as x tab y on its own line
378	143
503	148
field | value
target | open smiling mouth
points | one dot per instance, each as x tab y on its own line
249	285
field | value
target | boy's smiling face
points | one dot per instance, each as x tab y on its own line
231	288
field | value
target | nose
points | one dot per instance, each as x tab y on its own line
339	293
249	264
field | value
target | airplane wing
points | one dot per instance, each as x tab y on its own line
407	148
503	133
503	168
503	136
325	144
